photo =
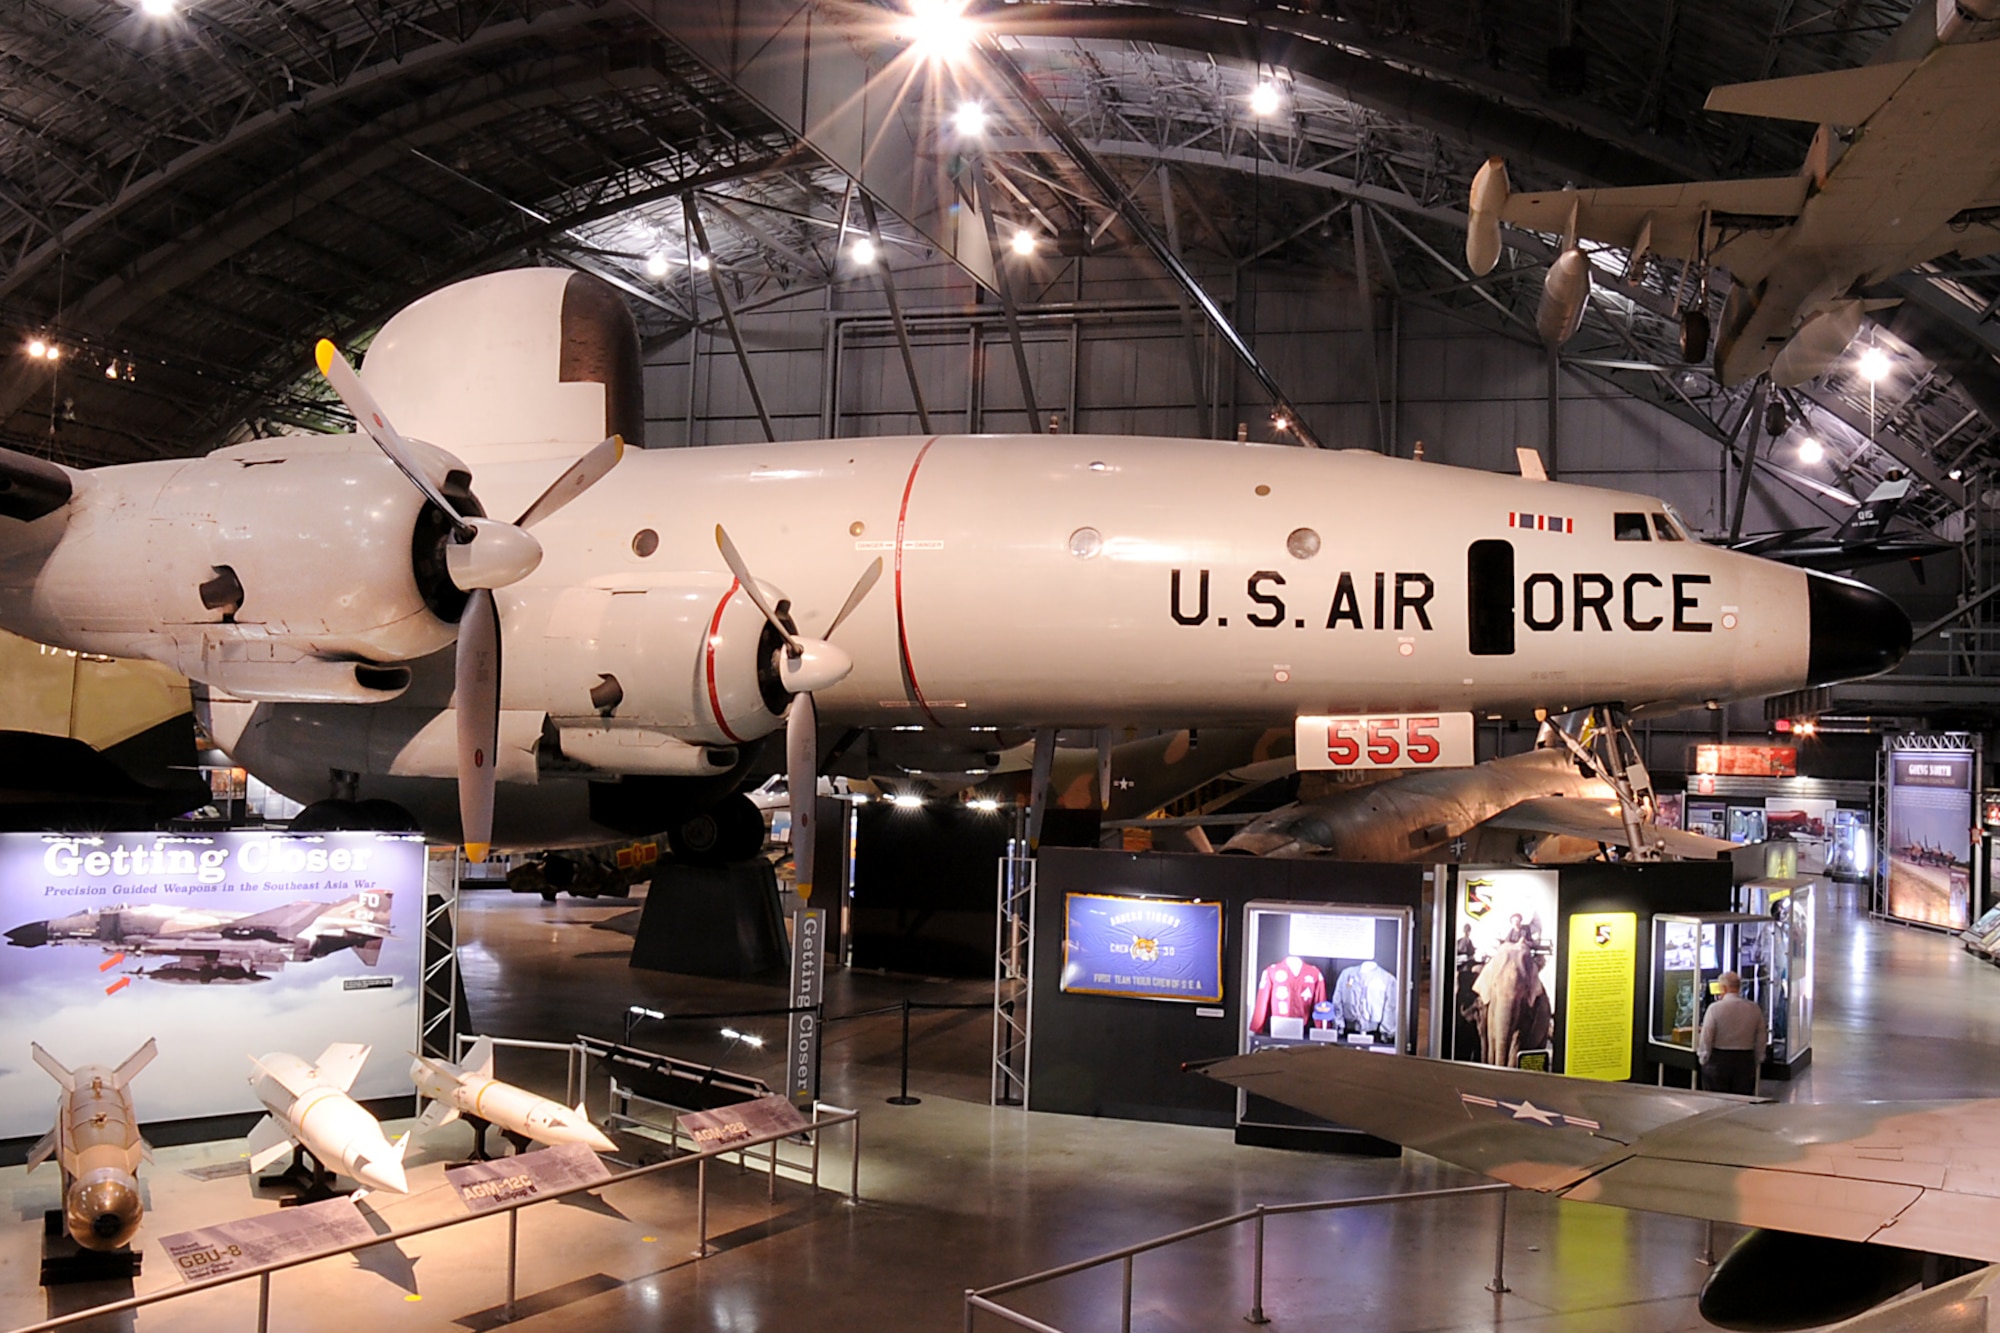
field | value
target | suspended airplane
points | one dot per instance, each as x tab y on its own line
1851	1204
343	602
1900	172
1864	539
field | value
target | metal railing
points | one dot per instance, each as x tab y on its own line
983	1298
824	1117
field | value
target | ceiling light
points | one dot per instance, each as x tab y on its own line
656	265
938	30
158	9
1811	451
864	252
1023	243
37	348
111	370
1264	99
1956	474
986	805
906	800
1281	422
701	263
1874	365
969	119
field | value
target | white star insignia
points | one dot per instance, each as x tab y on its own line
1527	1110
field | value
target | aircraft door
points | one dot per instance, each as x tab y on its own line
1489	584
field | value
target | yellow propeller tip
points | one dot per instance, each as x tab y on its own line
323	353
619	452
475	852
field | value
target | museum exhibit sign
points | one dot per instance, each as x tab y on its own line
1930	827
1142	948
220	945
1597	1014
1506	976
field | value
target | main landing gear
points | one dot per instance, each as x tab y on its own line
1603	746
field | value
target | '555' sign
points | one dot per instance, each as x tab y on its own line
1414	740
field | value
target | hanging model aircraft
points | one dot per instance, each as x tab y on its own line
1848	1201
96	1143
348	611
1864	539
1901	171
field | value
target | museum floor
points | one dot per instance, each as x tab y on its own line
956	1195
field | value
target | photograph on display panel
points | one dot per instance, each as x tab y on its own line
1806	821
1142	948
1505	972
221	946
1324	973
1927	845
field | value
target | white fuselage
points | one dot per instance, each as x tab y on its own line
331	1125
512	1108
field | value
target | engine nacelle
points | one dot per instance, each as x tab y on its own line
1490	189
1564	293
240	563
1772	1281
1819	340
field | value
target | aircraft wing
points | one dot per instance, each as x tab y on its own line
1835	97
1617	216
1919	1175
280	923
1599	821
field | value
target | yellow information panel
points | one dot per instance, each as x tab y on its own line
1603	976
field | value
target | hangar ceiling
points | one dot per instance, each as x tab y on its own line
186	201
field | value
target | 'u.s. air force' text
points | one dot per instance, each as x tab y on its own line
1401	601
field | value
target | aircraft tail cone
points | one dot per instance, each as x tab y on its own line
1856	631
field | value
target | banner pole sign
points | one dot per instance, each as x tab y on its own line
1931	827
808	986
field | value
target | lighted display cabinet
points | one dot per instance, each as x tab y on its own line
1789	904
1770	949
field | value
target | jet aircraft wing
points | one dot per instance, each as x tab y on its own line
1599	821
1919	1175
1619	215
284	923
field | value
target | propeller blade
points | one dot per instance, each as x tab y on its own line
734	560
477	699
802	780
371	418
579	477
861	587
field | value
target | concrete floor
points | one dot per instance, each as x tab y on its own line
956	1194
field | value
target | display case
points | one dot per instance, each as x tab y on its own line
1690	951
1789	904
1322	973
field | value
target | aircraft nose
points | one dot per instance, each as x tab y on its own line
1856	631
29	936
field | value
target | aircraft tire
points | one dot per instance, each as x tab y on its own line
731	830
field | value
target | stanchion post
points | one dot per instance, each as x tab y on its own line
513	1257
904	1098
854	1164
772	1193
1707	1259
1125	1318
970	1312
701	1208
1498	1286
264	1303
1257	1315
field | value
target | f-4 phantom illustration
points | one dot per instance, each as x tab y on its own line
1851	1203
198	945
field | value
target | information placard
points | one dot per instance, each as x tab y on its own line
1597	1013
744	1121
207	1253
484	1186
1927	846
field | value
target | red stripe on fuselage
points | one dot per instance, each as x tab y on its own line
708	660
902	626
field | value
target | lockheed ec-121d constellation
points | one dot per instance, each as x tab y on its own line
347	608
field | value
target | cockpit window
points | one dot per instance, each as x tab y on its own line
1679	524
1664	530
1630	528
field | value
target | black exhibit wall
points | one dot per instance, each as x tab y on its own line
925	885
1646	889
1107	1055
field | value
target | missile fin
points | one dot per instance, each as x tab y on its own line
339	1063
479	1060
270	1139
135	1062
437	1115
49	1063
44	1148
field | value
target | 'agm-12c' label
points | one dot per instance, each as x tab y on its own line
1415	740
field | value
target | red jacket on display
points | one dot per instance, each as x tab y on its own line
1289	988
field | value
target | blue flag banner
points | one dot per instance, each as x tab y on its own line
1143	948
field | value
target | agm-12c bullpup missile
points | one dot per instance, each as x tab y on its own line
469	1089
96	1143
309	1108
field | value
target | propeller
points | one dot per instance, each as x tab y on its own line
806	665
482	554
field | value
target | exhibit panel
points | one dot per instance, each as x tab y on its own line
1791	906
220	945
1930	824
1506	976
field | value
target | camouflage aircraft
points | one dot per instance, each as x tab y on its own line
196	945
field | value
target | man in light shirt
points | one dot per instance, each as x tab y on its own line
1733	1036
